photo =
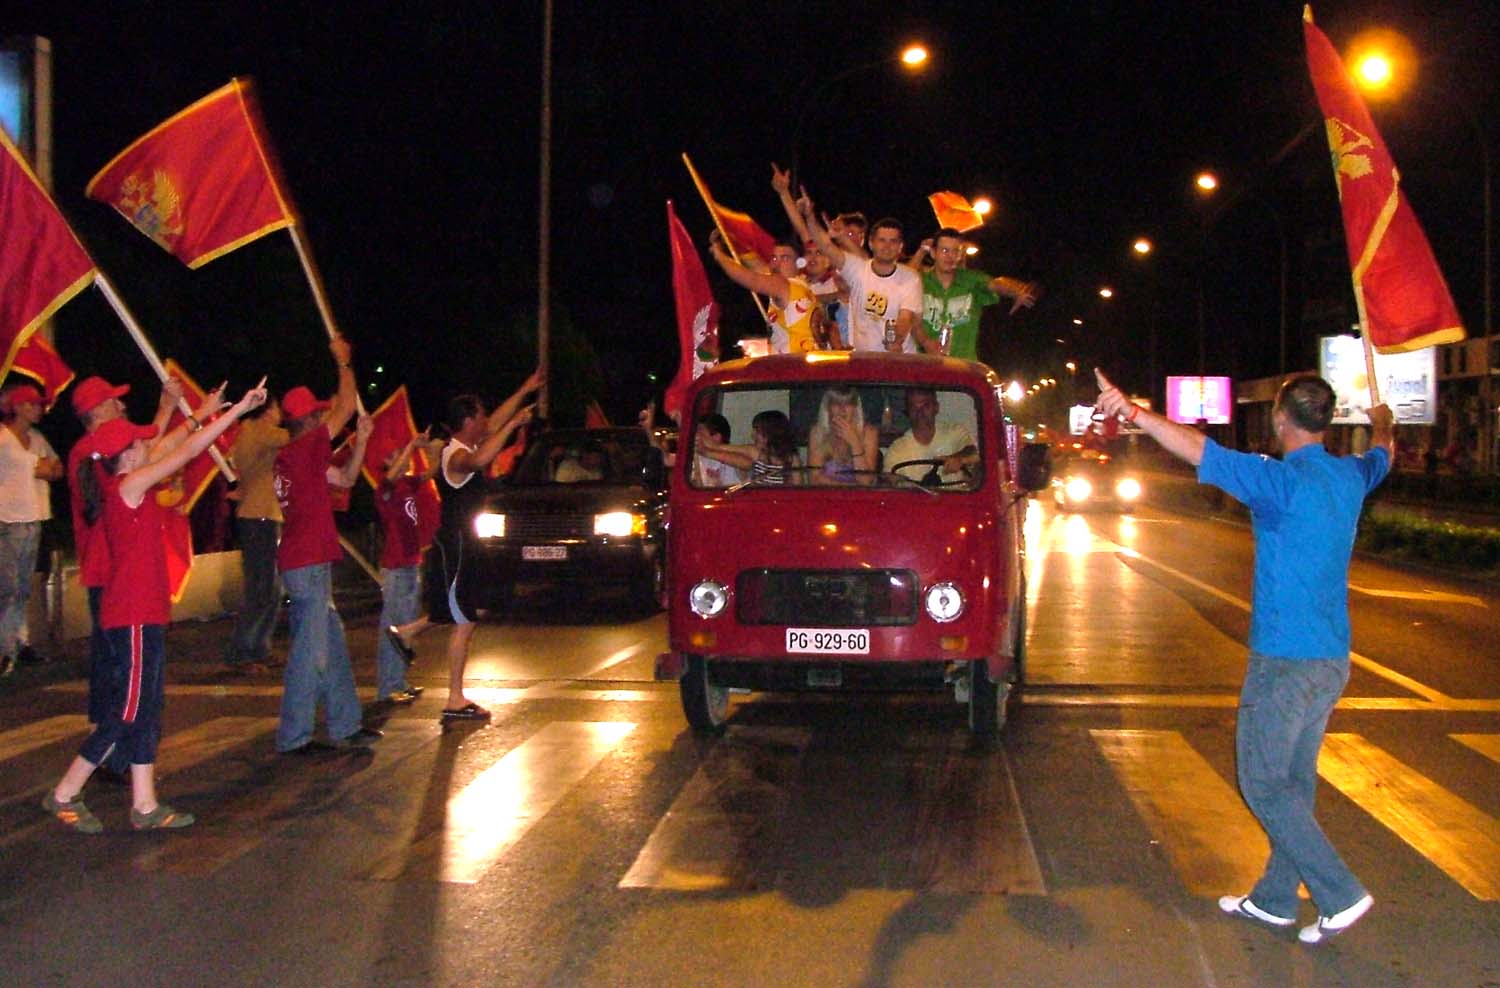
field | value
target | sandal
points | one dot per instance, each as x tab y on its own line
393	635
72	814
469	711
161	818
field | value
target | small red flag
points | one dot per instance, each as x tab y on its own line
1405	301
506	461
40	362
42	264
697	313
393	429
181	496
594	417
202	183
952	209
745	236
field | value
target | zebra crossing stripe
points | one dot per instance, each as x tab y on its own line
1450	832
1214	843
20	740
1487	745
489	815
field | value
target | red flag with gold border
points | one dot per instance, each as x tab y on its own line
39	361
745	236
42	264
394	427
952	209
1405	302
202	183
697	313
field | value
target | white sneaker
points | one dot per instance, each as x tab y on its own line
1328	927
1241	906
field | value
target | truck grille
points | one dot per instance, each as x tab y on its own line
827	598
548	528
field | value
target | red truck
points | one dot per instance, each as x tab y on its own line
832	574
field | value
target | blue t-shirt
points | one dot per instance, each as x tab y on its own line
1304	510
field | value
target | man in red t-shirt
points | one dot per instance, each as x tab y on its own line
400	504
317	667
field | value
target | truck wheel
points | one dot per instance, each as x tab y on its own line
989	702
705	705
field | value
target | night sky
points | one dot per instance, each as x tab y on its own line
409	139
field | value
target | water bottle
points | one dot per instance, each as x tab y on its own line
945	339
890	333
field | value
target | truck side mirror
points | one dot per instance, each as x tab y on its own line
1035	469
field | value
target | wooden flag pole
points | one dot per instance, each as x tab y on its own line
320	295
107	288
1364	335
728	243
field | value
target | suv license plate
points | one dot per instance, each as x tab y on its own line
828	641
543	553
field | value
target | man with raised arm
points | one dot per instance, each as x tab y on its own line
885	296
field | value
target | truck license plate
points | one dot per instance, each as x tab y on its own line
543	553
828	641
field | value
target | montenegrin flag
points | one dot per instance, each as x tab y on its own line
39	361
182	493
744	235
393	428
42	264
1405	300
697	315
202	183
952	209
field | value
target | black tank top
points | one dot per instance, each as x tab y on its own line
460	502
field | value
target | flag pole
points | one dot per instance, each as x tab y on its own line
320	295
728	243
1364	335
107	288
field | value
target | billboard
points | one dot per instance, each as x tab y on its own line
15	96
1199	399
1408	381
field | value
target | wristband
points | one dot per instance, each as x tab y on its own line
1134	411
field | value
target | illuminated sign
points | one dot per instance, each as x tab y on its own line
13	96
1199	399
1408	381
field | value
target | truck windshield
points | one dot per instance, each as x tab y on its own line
837	434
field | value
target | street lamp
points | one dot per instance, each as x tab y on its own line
913	58
982	206
1142	246
1106	292
1206	183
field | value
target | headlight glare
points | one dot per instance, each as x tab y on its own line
1078	489
708	598
489	525
1128	489
619	524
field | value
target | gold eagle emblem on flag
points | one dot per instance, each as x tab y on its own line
1344	141
154	206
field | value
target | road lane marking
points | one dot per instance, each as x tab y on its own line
1453	834
718	831
1213	841
1487	745
1429	596
615	659
489	815
1168	701
544	690
22	740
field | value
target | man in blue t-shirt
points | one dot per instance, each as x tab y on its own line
1304	509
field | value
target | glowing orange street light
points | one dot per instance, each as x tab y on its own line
1142	246
1206	182
914	56
1077	321
971	250
982	206
1106	292
1374	71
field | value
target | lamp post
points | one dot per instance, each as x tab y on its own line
912	58
1206	183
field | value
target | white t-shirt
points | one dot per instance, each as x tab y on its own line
23	495
947	439
875	298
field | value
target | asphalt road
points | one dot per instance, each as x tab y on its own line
586	838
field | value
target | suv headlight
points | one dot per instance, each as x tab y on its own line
707	598
489	525
619	524
1078	489
1128	489
944	602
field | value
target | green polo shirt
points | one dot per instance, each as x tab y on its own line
957	307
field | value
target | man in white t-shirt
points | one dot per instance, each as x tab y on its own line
929	439
27	464
885	296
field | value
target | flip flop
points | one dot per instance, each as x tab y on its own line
393	635
469	711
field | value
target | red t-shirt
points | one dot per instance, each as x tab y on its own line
400	517
93	552
308	535
136	591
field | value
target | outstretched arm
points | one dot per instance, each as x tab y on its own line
1179	440
781	181
507	408
137	482
1024	293
347	399
346	475
762	282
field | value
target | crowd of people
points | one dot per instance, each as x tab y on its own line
283	458
844	283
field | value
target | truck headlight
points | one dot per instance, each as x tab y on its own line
1128	489
707	598
619	524
489	525
944	602
1078	489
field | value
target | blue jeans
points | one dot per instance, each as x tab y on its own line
401	602
18	545
1284	710
317	669
262	602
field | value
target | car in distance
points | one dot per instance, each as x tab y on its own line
902	575
1096	480
586	507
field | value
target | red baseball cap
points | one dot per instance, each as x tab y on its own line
93	391
20	395
301	401
116	435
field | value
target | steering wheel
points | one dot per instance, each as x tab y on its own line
933	477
